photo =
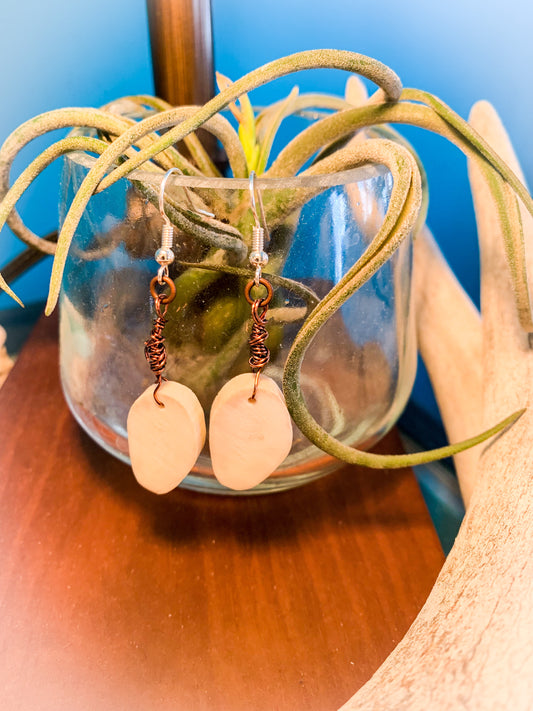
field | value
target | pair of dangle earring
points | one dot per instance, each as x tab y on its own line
250	431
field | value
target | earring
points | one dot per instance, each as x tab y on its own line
166	423
250	431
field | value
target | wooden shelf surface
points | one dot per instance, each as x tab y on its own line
113	598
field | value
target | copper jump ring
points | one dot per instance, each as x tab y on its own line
268	286
163	298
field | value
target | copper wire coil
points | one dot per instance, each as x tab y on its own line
154	348
259	352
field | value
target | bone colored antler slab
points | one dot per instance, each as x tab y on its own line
165	442
248	440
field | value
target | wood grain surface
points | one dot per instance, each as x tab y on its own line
114	598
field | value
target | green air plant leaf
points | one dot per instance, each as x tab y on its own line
300	290
246	119
223	83
511	224
399	222
349	61
128	144
25	179
269	127
247	133
355	91
38	126
198	153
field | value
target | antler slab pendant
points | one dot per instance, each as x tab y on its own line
250	432
164	442
248	439
166	424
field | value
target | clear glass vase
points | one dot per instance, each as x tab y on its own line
359	369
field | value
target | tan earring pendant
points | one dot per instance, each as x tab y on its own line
164	442
251	435
166	424
250	430
248	439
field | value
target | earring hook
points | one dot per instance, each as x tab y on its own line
187	197
258	257
253	192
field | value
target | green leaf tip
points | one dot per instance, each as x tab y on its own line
350	455
9	291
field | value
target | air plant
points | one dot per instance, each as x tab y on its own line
123	145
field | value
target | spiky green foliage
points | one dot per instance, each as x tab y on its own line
127	145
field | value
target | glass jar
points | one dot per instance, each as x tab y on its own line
359	369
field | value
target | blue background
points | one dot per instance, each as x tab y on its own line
61	53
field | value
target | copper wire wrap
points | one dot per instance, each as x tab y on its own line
259	352
154	348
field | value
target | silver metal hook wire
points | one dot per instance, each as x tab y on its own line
162	187
251	188
253	192
258	257
164	255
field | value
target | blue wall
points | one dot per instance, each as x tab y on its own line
63	53
460	50
55	54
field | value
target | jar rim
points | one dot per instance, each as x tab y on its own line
362	173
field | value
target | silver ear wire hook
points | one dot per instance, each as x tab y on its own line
251	188
167	175
253	192
164	255
258	256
